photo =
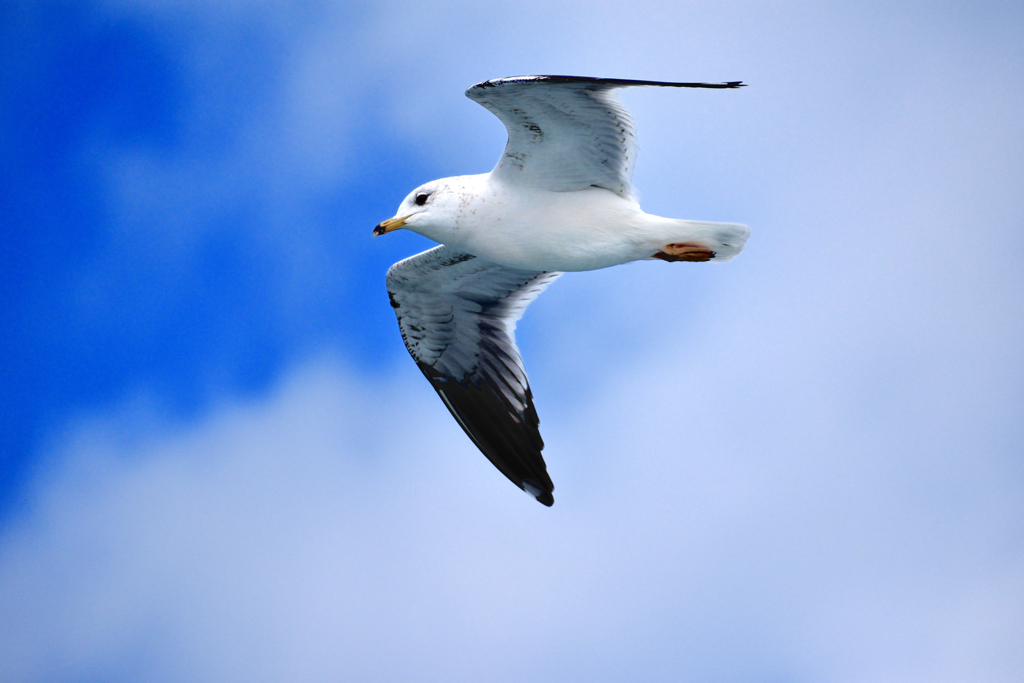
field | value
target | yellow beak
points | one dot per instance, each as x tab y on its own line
389	225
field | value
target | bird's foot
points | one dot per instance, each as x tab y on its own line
684	252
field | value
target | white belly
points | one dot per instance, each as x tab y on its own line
541	230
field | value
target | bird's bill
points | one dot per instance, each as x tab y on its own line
389	225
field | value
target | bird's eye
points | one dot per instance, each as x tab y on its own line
421	198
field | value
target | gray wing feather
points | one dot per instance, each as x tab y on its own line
457	315
567	133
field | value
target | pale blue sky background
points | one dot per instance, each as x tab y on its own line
219	463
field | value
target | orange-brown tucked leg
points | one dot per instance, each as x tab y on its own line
684	252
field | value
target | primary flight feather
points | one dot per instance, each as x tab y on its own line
560	199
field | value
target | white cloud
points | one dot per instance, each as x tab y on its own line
736	510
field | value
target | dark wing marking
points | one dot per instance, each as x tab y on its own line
457	315
567	132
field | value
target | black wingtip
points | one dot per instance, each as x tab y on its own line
600	82
512	443
543	497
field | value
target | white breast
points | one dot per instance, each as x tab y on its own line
536	229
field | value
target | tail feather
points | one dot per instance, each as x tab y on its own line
726	240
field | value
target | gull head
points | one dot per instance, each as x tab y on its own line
435	209
425	210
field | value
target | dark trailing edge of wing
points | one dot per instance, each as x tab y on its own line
512	445
612	82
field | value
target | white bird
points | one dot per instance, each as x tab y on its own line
560	199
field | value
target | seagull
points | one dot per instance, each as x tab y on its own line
560	199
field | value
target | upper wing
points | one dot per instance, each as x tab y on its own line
566	132
458	314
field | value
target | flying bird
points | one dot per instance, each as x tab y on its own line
560	199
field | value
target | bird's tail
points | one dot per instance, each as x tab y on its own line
726	240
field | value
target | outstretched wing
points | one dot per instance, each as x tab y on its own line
566	132
457	314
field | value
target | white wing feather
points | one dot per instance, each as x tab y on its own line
566	133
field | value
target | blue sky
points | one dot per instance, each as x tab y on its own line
219	463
